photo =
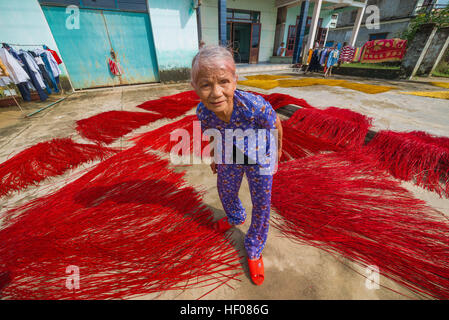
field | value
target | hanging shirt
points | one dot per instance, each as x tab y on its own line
114	68
38	60
55	56
52	62
4	75
15	70
3	71
347	54
309	56
15	54
34	68
250	112
333	58
356	57
324	56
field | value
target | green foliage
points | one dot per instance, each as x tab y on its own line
384	65
440	17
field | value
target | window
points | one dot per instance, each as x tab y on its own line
309	21
376	36
242	16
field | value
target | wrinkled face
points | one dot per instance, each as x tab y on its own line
215	86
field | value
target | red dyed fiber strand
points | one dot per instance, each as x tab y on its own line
343	127
106	127
340	202
182	96
279	100
297	144
175	105
46	159
414	156
172	106
132	227
159	139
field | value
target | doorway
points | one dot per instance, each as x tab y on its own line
239	37
87	50
243	35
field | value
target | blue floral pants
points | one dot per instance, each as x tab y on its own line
229	179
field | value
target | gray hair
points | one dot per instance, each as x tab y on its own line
212	56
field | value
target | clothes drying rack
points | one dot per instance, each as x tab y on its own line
13	88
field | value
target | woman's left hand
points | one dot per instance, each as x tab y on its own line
280	134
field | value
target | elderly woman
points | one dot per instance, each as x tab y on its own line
223	107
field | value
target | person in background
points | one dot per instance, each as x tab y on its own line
281	50
331	61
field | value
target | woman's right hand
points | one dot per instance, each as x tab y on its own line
213	166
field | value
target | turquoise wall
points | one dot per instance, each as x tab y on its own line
23	22
175	33
292	13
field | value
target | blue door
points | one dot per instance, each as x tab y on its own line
86	50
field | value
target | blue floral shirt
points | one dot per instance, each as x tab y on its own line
250	112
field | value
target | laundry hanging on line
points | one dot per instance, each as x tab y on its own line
31	70
323	58
347	54
115	67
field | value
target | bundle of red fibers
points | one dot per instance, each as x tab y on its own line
298	144
159	139
340	203
130	226
107	126
182	96
172	106
439	141
279	100
414	155
46	159
343	127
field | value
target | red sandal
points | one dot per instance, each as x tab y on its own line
256	270
223	225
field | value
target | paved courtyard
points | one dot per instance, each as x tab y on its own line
292	271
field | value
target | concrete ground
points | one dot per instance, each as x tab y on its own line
292	271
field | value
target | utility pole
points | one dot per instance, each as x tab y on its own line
198	20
